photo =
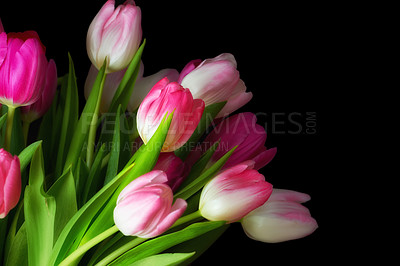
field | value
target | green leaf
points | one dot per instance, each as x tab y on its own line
161	243
81	175
69	119
199	244
49	129
209	113
166	259
206	176
26	155
18	252
63	190
82	128
112	167
3	120
94	181
199	166
81	220
125	88
39	210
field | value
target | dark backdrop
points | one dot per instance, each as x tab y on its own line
283	53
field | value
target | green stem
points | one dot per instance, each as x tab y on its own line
137	241
78	253
9	126
25	130
93	127
188	218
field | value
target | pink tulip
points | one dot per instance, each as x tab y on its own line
174	168
10	182
233	193
281	218
167	97
114	33
241	130
36	110
143	85
23	66
216	80
144	207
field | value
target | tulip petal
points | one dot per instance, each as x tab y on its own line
188	68
263	158
289	195
12	186
153	177
3	47
177	210
238	98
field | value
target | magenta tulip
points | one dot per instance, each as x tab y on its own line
144	207
169	97
281	218
216	80
115	34
174	168
23	66
233	193
10	182
238	130
36	110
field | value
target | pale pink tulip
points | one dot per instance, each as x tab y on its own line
23	67
233	193
36	110
144	207
115	33
216	80
143	85
281	218
174	168
169	97
10	182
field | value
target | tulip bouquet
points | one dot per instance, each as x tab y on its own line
150	171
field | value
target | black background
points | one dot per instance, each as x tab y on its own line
283	53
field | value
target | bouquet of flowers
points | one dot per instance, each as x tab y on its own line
152	171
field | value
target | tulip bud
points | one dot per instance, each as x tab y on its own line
36	110
233	193
216	80
174	168
166	97
238	130
281	218
10	182
115	34
144	207
23	66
